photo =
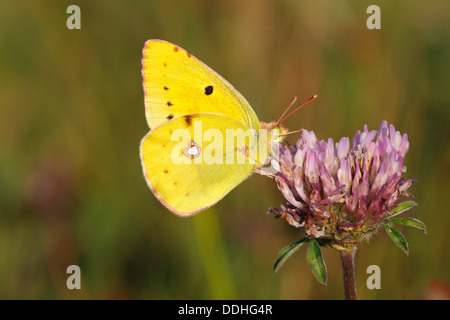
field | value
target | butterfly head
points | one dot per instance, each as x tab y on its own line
275	132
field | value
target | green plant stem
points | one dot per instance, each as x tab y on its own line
348	270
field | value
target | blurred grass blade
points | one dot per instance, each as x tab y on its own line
315	261
397	237
286	252
214	261
410	222
402	207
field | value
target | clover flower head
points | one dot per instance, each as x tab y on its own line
342	191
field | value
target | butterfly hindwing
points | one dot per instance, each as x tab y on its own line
203	177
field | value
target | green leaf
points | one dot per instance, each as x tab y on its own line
410	222
286	252
315	261
397	237
402	207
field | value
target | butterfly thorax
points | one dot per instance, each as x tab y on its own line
270	135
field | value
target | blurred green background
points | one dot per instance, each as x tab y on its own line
72	117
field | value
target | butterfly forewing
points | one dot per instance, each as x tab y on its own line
177	84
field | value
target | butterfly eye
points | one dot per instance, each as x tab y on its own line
192	151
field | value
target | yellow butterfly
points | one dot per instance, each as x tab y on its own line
190	158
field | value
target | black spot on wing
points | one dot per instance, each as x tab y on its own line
209	90
169	103
170	117
166	88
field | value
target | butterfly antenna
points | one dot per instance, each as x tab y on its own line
309	100
290	105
